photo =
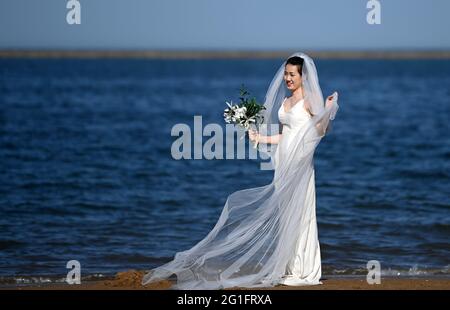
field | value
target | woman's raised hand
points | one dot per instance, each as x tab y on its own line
331	98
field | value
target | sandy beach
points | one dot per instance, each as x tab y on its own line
131	280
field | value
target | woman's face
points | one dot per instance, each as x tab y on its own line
292	77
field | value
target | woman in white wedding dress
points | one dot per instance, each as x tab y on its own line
267	235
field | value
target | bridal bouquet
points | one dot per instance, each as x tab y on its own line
245	114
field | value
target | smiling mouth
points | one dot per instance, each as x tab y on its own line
289	83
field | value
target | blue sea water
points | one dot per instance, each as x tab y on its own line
87	171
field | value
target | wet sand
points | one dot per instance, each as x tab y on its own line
131	280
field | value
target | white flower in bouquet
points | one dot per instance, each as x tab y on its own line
246	114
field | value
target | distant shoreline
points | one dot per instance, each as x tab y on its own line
170	54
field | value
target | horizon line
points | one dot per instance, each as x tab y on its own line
223	53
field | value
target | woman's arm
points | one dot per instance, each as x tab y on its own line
256	137
323	126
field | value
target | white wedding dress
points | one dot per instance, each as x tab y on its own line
266	236
305	266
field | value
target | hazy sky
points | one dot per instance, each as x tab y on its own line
225	24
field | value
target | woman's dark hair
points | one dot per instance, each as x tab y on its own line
296	61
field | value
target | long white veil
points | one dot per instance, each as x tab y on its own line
313	99
258	229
